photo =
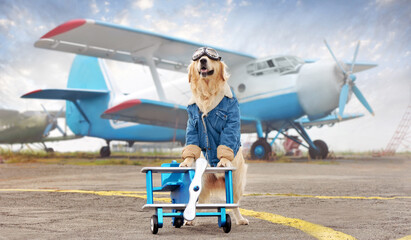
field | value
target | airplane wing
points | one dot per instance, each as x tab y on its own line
358	67
149	112
63	138
329	120
8	116
116	42
64	94
160	114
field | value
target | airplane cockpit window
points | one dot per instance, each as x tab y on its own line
262	65
250	68
282	65
270	63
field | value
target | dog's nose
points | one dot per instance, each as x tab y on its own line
203	61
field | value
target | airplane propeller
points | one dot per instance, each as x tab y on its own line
349	79
52	122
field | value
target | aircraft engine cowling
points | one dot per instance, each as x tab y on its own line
318	87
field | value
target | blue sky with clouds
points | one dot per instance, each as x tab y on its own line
259	28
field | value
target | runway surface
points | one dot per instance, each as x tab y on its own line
342	199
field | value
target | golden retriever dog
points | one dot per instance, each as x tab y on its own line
208	82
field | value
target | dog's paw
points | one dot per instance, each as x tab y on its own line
224	163
243	221
188	162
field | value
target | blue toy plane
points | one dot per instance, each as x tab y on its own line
275	93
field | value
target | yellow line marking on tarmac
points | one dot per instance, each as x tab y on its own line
406	238
326	197
315	230
101	193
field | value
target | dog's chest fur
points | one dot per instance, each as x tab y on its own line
207	95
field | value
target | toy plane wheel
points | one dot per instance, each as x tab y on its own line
227	226
178	222
154	224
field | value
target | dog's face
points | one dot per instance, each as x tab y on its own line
207	69
206	66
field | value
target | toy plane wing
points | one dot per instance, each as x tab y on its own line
149	112
111	41
64	94
330	119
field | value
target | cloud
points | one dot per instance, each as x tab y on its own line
94	8
6	23
144	4
244	4
383	2
164	25
123	18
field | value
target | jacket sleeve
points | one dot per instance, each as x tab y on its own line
230	135
191	131
192	149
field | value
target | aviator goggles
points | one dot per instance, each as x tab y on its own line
209	52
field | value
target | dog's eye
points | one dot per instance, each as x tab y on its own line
212	53
197	54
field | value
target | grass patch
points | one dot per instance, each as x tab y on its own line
84	158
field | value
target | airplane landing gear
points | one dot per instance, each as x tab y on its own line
260	149
49	150
322	150
105	151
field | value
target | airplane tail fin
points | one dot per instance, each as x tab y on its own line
90	73
88	94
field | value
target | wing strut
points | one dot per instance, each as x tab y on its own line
149	59
156	78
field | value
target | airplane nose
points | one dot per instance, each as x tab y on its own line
318	87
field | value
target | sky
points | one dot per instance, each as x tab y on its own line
258	28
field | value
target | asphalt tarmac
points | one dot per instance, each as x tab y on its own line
340	199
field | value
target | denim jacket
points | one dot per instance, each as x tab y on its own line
221	126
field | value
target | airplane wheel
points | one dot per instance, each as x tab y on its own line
50	150
154	224
227	226
323	150
178	222
105	151
260	149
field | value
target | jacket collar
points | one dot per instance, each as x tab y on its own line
217	99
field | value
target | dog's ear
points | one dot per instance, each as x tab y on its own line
191	69
223	71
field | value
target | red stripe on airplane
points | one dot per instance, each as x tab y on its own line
35	91
65	27
123	105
